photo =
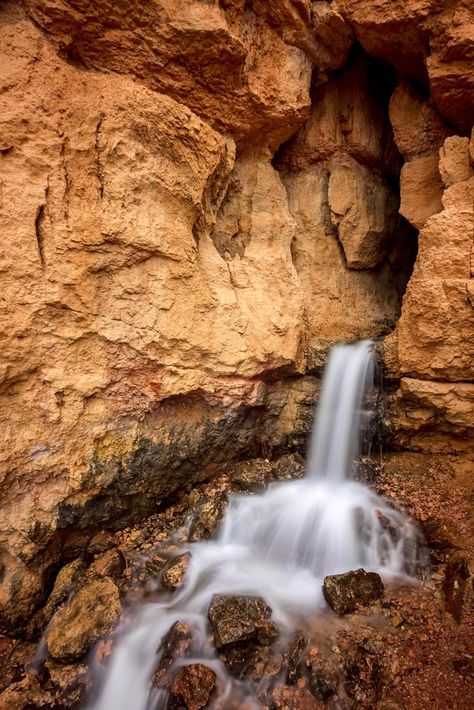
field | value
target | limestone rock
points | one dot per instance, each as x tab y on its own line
338	302
90	614
421	190
250	82
418	129
450	62
235	618
332	33
174	571
344	592
434	416
192	687
419	37
349	112
433	340
390	30
454	162
364	212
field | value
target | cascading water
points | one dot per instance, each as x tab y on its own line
280	544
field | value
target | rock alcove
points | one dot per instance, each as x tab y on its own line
198	199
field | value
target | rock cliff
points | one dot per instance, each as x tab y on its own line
196	200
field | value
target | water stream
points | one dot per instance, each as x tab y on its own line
280	544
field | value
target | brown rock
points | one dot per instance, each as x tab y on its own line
454	162
285	697
348	113
267	632
421	190
294	657
108	564
238	88
207	520
101	542
364	213
337	302
288	467
450	62
418	129
435	416
390	30
457	586
192	687
177	643
26	694
344	592
235	618
173	573
252	475
323	681
90	614
69	578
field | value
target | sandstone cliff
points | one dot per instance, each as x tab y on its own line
196	199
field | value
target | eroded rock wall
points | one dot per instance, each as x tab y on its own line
196	200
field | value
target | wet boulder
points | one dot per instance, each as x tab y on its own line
176	643
90	614
288	467
252	475
207	519
294	657
236	618
191	687
345	592
174	571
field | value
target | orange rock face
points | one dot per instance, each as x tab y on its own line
196	200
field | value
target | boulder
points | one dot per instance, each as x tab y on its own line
288	467
90	614
454	160
252	475
177	643
207	520
363	211
108	564
418	129
191	687
421	190
236	618
345	592
174	571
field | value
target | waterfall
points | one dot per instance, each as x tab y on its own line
280	544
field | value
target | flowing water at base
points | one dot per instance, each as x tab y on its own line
278	545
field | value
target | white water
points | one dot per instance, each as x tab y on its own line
280	544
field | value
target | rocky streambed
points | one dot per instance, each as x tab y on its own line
388	647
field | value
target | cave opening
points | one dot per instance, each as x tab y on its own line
353	250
